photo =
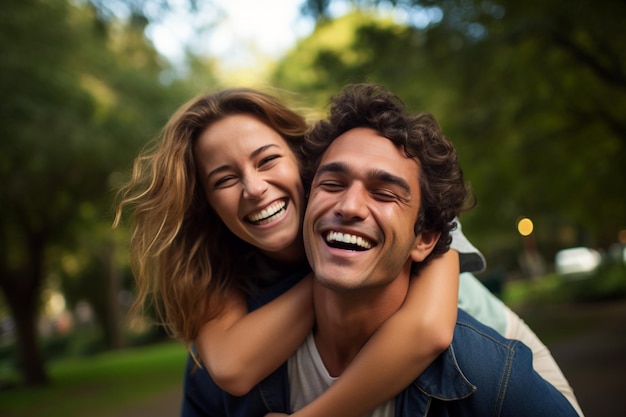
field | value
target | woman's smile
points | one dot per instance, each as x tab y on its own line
271	213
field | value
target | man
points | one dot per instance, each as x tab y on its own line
377	171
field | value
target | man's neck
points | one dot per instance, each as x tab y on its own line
346	320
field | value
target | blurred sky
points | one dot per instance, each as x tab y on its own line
245	34
237	31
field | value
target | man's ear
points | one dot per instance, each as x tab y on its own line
424	244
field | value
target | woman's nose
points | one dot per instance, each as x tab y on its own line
254	187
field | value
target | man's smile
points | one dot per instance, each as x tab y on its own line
348	241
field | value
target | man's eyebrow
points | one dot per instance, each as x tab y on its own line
375	174
332	167
389	178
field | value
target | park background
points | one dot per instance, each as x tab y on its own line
533	95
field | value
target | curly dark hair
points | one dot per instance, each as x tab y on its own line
444	194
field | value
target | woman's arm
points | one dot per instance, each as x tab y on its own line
239	349
401	349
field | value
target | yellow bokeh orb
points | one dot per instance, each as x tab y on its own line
525	226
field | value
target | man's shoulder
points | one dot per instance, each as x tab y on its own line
474	348
475	344
469	327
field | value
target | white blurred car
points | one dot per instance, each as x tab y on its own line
577	261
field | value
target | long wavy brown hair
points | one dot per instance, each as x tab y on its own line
182	255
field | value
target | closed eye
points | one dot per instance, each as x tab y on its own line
265	161
225	182
331	186
384	195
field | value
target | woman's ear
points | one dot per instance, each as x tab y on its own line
424	244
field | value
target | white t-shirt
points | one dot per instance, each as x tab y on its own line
308	379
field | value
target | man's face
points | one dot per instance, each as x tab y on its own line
359	222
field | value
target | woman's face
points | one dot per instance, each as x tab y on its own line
252	180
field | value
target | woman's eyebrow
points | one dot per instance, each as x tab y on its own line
262	149
217	170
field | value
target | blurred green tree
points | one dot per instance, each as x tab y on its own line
534	96
363	46
80	95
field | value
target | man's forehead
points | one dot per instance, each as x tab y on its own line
366	149
364	141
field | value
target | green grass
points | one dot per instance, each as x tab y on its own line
101	384
554	306
606	283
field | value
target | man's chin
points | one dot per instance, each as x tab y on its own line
338	282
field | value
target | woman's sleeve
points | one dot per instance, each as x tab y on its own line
470	258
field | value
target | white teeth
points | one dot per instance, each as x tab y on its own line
266	215
348	238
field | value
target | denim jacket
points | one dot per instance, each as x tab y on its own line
480	374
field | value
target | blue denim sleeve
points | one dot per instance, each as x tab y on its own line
502	372
526	393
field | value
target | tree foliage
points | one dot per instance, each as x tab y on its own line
80	96
532	93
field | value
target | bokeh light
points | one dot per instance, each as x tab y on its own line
525	226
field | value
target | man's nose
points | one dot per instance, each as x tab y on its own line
352	203
254	187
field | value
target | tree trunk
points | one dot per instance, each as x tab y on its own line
113	316
22	295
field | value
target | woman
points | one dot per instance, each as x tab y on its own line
218	203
